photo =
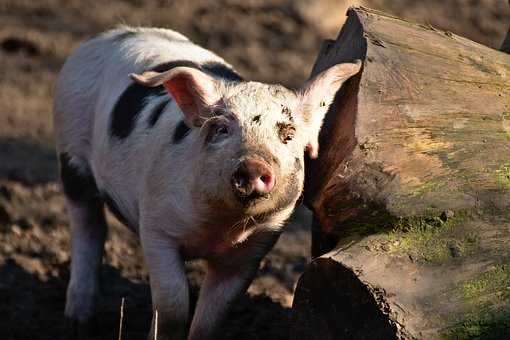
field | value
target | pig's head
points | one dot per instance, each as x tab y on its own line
248	138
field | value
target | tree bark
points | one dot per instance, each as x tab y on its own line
411	191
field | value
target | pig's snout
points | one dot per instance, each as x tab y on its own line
253	178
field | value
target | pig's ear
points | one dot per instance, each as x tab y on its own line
194	91
316	96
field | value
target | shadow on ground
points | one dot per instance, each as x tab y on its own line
32	308
27	161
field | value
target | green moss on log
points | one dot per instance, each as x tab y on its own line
503	176
432	238
488	315
427	187
480	325
506	124
494	283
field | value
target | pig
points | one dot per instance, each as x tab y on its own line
199	162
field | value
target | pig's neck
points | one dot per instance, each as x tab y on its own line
221	232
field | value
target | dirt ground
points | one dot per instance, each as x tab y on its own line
266	40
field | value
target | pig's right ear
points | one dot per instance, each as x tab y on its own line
194	91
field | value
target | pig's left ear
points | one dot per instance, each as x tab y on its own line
194	91
316	96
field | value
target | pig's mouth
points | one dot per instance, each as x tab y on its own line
246	194
252	198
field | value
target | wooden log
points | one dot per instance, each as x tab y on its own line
411	191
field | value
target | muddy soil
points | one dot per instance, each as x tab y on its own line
266	40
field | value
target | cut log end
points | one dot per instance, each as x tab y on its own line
335	304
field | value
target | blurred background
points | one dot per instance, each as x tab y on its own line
266	40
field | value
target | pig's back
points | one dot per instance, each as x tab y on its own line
97	73
95	116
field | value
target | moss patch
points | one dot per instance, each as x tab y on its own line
479	325
426	187
485	318
503	175
433	238
494	283
506	124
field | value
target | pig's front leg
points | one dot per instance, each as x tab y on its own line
227	277
169	286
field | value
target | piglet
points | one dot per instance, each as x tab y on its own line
199	162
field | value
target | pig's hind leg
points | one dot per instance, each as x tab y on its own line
88	232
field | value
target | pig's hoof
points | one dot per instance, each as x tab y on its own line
76	330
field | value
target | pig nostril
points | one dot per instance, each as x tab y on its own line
241	181
266	179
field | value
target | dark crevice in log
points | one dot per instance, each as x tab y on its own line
505	47
322	243
338	143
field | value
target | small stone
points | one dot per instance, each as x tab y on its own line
447	214
455	251
5	192
16	229
5	218
24	223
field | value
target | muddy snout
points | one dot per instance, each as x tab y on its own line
253	178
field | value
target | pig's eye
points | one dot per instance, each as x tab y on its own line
286	132
222	130
217	133
217	112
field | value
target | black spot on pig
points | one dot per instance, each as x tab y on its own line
133	100
222	71
180	132
129	106
157	111
78	184
217	69
173	64
287	113
285	132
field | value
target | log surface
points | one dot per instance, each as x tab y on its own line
411	191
